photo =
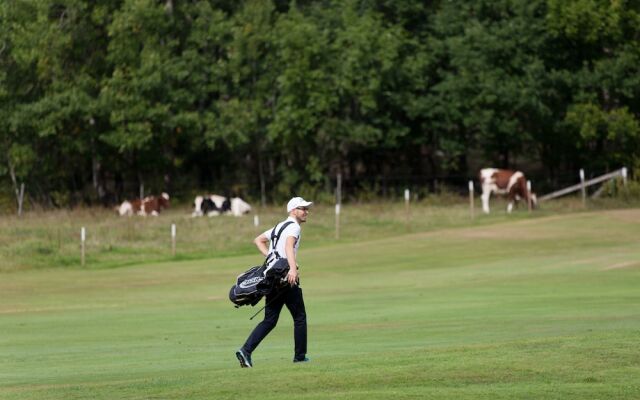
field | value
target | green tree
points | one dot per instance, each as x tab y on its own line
244	107
337	90
62	46
494	89
602	61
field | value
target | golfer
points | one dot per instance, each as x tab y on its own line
290	294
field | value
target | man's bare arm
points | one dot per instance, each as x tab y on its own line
261	242
292	276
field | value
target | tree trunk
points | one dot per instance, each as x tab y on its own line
98	179
19	192
263	196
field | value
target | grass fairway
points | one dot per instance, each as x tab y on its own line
544	308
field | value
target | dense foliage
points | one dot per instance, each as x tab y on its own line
263	98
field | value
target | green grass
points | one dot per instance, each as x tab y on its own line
518	307
52	239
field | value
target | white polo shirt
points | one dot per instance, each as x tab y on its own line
291	230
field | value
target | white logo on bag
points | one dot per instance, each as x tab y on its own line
250	282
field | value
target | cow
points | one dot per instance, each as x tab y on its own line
239	207
213	204
222	203
150	205
129	208
513	184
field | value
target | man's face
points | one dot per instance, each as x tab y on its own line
301	213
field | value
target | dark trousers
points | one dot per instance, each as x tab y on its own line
292	297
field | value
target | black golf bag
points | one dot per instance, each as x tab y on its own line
257	282
260	280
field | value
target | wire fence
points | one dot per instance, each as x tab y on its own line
359	189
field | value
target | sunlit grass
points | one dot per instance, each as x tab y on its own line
52	239
517	308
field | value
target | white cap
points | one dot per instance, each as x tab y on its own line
298	202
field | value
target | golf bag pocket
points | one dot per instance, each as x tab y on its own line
249	287
257	282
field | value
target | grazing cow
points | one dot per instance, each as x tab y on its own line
129	208
239	207
149	205
222	203
513	184
154	204
212	205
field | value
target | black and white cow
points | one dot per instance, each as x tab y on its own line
212	205
513	184
239	207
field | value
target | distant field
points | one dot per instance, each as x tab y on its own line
52	239
504	308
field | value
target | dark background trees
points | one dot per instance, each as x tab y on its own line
266	98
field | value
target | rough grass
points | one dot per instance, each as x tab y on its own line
52	239
518	308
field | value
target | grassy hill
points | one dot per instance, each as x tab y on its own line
504	308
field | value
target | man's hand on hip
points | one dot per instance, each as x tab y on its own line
292	277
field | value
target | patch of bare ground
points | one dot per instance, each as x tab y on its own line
519	228
499	232
626	264
626	215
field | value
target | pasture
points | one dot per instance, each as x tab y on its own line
519	307
52	239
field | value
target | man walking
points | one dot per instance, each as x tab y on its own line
285	245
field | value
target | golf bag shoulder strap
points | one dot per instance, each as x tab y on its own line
275	237
259	281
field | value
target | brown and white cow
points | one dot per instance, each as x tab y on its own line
150	205
513	184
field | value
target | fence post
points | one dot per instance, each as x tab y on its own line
583	188
529	195
471	202
141	191
256	220
173	240
624	176
407	197
338	202
20	199
83	237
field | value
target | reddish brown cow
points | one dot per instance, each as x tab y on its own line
513	184
149	205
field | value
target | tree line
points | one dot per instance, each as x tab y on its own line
268	97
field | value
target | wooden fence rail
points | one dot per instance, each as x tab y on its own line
622	172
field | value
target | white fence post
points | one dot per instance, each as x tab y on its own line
20	199
583	188
338	203
471	202
256	220
337	221
83	237
529	195
407	197
173	239
624	176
